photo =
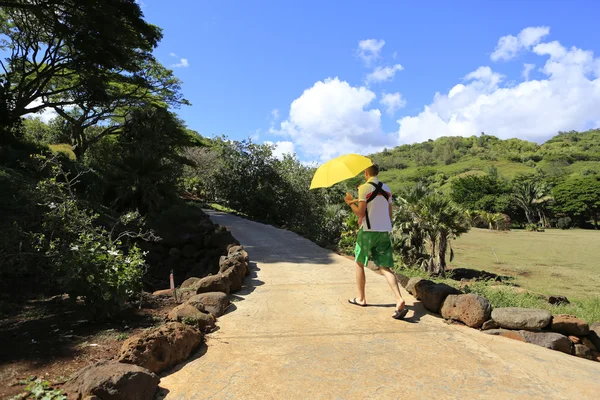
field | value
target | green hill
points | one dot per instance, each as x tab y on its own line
442	160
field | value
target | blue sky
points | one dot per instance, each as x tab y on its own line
245	59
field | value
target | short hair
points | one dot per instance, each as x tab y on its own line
373	170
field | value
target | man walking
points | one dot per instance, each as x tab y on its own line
374	210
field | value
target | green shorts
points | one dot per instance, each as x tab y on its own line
376	246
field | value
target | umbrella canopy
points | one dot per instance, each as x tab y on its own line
339	169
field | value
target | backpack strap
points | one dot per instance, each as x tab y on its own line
377	192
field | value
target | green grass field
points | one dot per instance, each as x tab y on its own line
552	262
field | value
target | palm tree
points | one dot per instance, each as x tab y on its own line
532	198
443	221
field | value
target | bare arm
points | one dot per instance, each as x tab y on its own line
358	210
391	216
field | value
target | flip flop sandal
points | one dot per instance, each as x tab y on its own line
356	303
400	314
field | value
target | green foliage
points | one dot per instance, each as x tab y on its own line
246	177
579	197
483	193
142	166
506	296
82	257
534	228
425	223
39	389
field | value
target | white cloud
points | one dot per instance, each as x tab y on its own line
382	74
282	148
527	68
393	102
369	49
333	118
567	98
509	46
173	54
275	114
395	55
183	63
46	114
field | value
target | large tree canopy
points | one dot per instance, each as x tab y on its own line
64	46
579	197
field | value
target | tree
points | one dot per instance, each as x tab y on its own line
159	87
142	166
425	224
533	198
59	46
481	193
579	197
443	222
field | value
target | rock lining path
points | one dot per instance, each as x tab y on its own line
294	336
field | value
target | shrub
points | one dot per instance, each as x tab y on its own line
84	258
534	228
564	223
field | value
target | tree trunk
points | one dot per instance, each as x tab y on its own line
80	144
441	258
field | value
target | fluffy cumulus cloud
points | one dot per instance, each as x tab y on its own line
369	49
392	102
568	97
333	117
509	46
282	148
382	74
527	68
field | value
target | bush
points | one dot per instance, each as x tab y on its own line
85	259
564	223
534	228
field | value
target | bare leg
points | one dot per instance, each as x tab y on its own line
393	282
360	283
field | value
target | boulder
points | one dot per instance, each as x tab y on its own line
198	241
188	250
160	348
112	380
402	280
588	343
163	293
574	339
515	335
583	351
432	295
470	309
521	318
594	335
191	315
489	324
190	282
556	300
221	239
410	285
185	294
235	270
569	325
215	303
596	355
549	340
213	283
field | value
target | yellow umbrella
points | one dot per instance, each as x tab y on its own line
339	169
